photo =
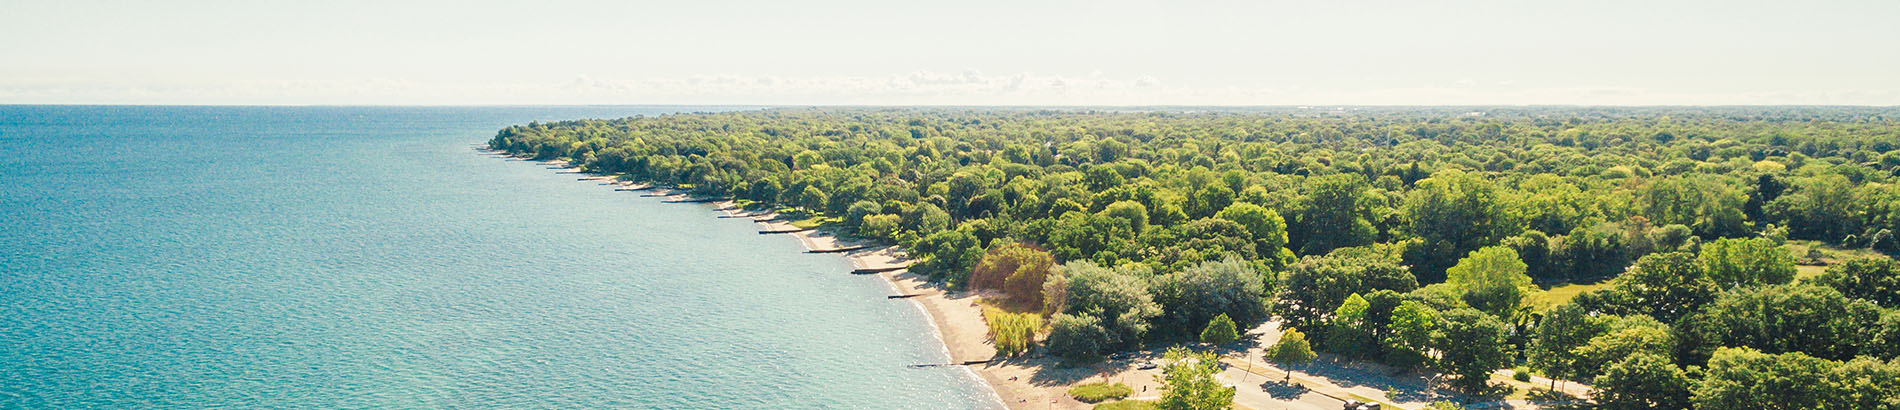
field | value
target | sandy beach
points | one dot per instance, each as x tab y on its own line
956	316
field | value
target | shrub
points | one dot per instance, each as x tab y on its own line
1011	332
1520	374
1219	331
1097	392
1018	269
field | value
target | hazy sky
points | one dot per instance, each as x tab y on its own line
1018	52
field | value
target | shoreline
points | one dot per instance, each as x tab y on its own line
955	318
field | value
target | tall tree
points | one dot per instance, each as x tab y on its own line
1472	345
1642	381
1196	295
1332	216
1310	290
1292	349
1268	229
1742	262
1188	382
1492	278
1454	213
1410	341
1119	297
1875	279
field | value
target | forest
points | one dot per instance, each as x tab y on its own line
1669	257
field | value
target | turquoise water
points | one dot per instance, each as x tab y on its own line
254	257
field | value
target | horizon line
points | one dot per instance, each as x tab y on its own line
1554	105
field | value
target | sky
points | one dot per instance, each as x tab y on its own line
966	52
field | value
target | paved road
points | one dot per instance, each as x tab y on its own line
1257	392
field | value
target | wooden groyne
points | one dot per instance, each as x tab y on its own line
653	195
773	231
691	200
962	363
867	271
838	250
904	296
638	188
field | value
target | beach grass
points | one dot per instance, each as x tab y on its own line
1012	333
1100	391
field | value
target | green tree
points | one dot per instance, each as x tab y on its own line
1016	268
1875	279
1132	216
1454	213
1198	294
1208	200
1749	379
1268	229
926	219
1621	338
1077	338
1642	381
1310	290
1472	345
813	199
947	255
854	216
1291	350
1188	382
1219	331
1409	343
1665	286
1120	297
1492	278
1811	319
1563	330
1332	216
1347	334
883	226
1742	262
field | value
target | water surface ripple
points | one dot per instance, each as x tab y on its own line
336	257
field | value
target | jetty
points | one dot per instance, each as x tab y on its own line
838	250
963	363
867	271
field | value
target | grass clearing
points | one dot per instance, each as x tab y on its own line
1128	405
1100	391
815	221
1811	258
1561	294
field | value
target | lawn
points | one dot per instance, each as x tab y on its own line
1097	392
1809	265
1128	405
1553	297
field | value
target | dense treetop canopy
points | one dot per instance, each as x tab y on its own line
1406	235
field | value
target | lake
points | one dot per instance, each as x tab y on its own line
368	257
